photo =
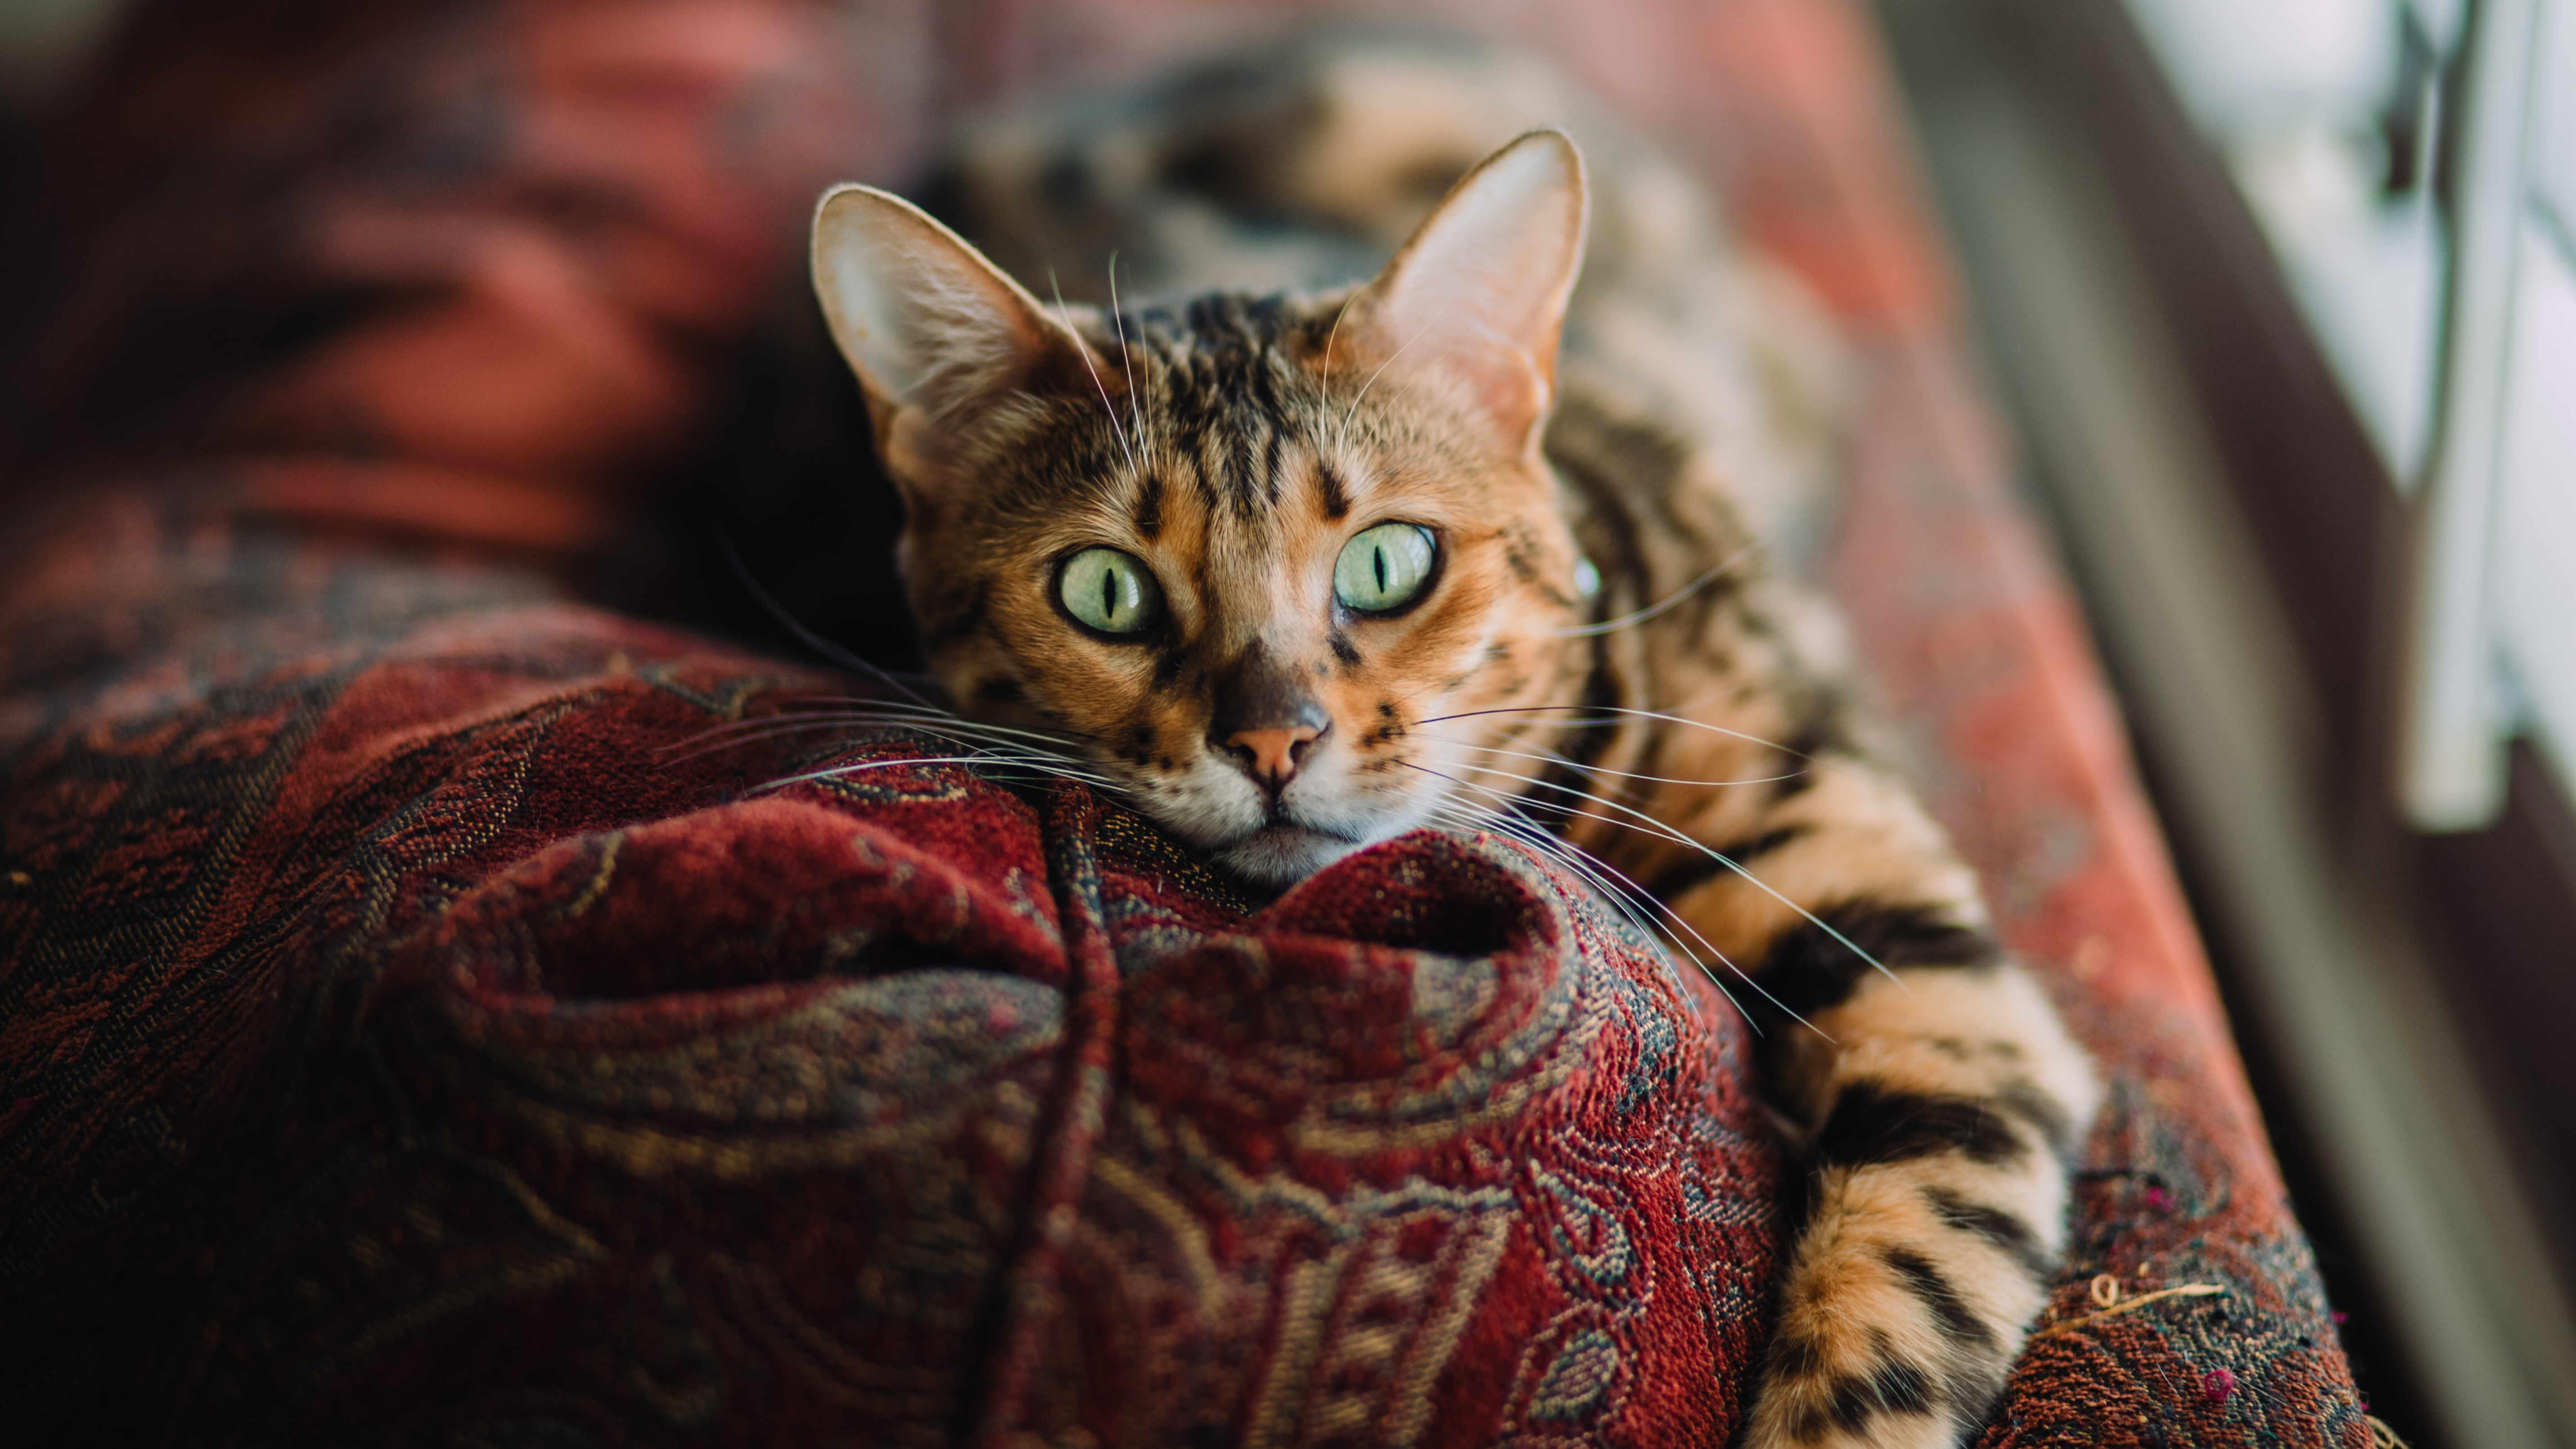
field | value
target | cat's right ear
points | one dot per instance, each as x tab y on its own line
1477	298
935	332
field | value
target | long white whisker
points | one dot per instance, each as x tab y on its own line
776	729
1635	908
1135	407
1621	887
952	722
1658	828
865	765
1325	383
896	716
811	640
1612	709
1054	736
675	752
1466	815
1552	758
967	739
1106	406
1639	616
1463	815
997	744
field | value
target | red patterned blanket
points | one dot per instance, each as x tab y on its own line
437	1026
420	1025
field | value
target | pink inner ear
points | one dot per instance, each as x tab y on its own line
925	321
1479	294
1516	390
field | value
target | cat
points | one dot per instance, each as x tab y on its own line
1458	546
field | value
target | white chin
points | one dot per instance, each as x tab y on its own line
1282	855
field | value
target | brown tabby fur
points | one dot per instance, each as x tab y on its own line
1704	753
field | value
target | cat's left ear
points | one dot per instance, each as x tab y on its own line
937	334
1477	297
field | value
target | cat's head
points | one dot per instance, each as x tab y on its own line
1281	563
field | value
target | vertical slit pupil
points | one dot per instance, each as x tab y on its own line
1109	594
1377	556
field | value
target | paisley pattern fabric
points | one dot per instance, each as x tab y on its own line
416	1027
447	1035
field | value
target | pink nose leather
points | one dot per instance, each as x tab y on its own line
1271	754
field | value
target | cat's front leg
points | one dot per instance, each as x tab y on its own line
1934	1211
1944	1107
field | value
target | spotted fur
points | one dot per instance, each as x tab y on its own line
1683	726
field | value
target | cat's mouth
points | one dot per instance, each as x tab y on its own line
1273	840
1283	851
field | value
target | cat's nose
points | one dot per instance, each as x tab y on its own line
1266	717
1271	756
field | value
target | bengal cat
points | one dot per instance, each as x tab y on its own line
1297	572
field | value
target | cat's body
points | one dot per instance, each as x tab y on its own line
1295	573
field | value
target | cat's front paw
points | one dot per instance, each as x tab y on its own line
1905	1307
1847	1384
1868	1399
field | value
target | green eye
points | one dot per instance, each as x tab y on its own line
1382	568
1109	591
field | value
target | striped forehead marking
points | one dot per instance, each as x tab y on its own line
1224	363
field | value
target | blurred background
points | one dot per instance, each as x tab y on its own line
2280	299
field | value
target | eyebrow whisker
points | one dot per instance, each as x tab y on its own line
1083	345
